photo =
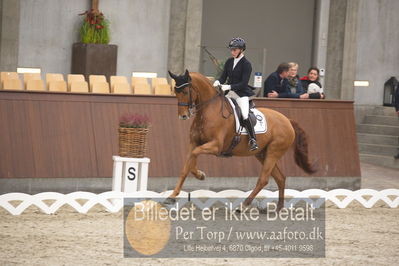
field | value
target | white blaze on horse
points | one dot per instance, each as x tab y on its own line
213	131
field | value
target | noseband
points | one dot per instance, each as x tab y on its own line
190	103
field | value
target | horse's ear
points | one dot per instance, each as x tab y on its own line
173	76
187	75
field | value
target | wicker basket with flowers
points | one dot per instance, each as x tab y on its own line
133	130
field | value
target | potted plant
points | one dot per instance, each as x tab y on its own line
93	55
95	28
133	130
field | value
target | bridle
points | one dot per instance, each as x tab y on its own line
179	89
191	105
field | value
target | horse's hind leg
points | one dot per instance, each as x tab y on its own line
270	158
261	156
262	180
279	177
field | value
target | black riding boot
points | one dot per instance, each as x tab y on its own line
251	133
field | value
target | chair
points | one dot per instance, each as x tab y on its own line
122	88
96	78
158	81
12	84
99	87
139	80
74	77
7	75
57	85
79	86
142	88
117	79
35	85
162	89
52	77
31	76
173	82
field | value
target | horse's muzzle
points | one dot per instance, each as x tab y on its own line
183	117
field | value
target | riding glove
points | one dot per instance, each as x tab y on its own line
226	87
216	83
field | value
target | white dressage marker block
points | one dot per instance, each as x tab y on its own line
130	174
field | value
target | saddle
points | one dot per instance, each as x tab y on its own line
237	137
251	114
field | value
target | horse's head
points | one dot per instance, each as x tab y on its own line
184	94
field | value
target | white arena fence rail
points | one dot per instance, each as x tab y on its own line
112	200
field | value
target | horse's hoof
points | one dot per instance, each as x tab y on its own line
200	175
243	209
170	201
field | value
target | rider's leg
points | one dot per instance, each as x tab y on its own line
233	95
243	102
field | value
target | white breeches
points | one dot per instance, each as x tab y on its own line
243	102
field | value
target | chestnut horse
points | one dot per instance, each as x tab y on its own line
213	130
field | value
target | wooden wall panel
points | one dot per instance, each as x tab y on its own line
45	134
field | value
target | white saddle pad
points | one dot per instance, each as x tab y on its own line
261	124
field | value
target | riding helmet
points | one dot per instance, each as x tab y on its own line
237	43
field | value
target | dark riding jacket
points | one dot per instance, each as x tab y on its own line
238	77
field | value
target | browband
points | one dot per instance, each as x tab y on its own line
182	85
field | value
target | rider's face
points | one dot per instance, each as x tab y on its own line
235	52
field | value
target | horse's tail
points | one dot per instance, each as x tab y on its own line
301	149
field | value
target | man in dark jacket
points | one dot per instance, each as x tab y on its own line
276	84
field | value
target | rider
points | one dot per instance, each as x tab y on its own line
237	71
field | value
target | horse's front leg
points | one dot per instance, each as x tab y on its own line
211	147
200	175
193	164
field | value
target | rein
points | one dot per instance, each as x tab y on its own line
191	105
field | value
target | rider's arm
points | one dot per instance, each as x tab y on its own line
223	77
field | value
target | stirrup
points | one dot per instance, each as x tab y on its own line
252	145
